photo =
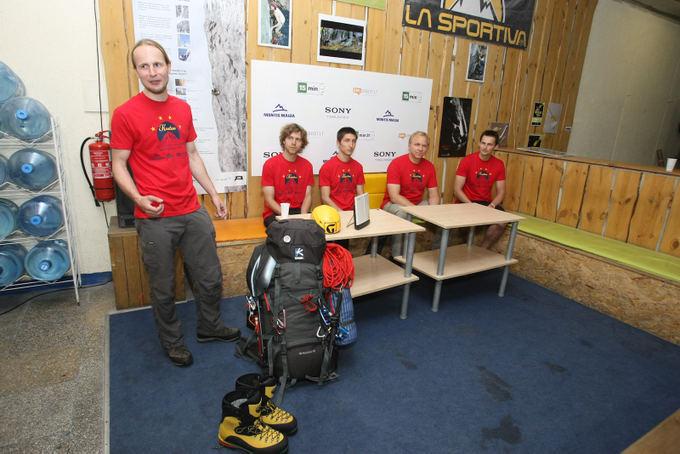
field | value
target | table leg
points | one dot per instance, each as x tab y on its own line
471	236
508	256
374	246
408	268
437	294
442	251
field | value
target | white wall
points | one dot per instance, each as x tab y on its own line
628	104
51	46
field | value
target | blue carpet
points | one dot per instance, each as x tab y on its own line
530	372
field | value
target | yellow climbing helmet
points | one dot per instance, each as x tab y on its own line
327	217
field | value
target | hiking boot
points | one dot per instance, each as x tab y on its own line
180	356
223	334
270	414
241	428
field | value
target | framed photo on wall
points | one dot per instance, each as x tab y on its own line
453	139
274	23
341	40
476	67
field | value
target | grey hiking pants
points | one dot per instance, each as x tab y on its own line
159	239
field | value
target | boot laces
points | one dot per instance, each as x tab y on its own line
262	431
278	414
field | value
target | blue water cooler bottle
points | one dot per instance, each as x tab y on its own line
11	263
32	169
47	260
40	216
8	217
4	171
25	118
10	84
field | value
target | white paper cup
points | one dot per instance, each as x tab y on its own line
670	164
284	210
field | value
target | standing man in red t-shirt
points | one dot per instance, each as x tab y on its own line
287	177
154	134
408	176
341	178
476	176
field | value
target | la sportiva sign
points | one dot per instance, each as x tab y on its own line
504	22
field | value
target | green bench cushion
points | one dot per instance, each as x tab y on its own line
653	262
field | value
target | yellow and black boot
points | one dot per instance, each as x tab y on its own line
270	414
242	429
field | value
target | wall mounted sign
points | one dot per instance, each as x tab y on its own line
455	130
274	23
504	22
537	117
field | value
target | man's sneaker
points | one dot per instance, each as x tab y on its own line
224	334
180	356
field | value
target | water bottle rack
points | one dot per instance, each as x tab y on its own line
50	143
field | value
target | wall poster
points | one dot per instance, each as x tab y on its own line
341	40
205	40
274	22
453	139
476	67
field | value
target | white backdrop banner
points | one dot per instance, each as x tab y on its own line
384	109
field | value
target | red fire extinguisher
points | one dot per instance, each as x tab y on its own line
102	173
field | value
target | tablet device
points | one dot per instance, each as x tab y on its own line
361	211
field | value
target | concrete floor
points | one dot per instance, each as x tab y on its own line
52	371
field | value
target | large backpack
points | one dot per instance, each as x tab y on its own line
285	280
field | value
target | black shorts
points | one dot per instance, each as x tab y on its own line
486	204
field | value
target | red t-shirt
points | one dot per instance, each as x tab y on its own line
480	176
412	178
343	179
290	180
156	134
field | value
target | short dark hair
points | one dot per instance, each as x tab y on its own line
148	42
342	132
490	133
290	129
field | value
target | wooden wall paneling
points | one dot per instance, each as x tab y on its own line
135	269
561	21
532	177
534	72
596	199
623	199
393	36
439	71
237	204
118	270
670	243
573	187
514	175
510	90
549	190
375	39
503	157
578	43
117	38
414	52
491	88
656	193
446	183
352	12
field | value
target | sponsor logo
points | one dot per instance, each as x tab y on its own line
384	154
337	112
402	135
314	133
279	112
366	135
311	88
416	176
364	91
412	96
388	116
346	176
299	253
269	154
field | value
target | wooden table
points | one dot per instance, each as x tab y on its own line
462	259
373	272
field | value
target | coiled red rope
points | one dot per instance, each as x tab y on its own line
338	267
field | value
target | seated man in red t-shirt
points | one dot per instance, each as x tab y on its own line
477	174
408	176
341	178
287	177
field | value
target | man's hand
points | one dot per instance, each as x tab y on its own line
151	205
221	207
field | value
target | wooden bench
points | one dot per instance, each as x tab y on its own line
604	235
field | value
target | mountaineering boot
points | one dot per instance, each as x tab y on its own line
240	428
270	414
